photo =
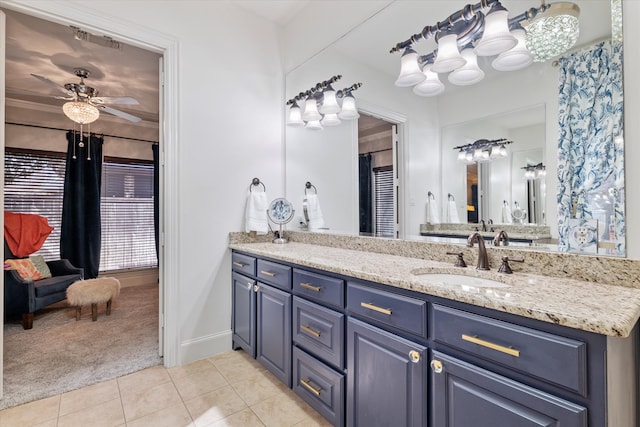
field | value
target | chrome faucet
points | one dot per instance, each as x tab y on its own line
483	259
501	236
484	225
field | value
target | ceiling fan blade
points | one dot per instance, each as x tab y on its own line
54	85
123	100
119	113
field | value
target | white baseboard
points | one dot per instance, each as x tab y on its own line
146	276
203	347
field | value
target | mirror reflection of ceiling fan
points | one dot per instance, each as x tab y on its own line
82	97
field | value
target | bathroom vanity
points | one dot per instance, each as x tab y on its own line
378	339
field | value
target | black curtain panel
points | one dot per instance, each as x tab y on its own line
366	209
80	234
156	193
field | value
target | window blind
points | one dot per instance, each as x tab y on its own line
383	193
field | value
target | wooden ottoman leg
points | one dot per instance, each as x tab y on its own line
94	312
27	320
109	308
78	312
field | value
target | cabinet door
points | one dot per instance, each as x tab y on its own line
244	314
274	331
464	395
386	378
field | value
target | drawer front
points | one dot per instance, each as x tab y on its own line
243	264
319	330
401	312
327	290
274	274
553	358
320	386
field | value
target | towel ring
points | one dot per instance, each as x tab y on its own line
451	198
309	185
431	196
257	182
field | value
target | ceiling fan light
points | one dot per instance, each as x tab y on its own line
553	31
349	110
496	37
431	85
330	119
311	110
448	57
516	58
329	101
410	73
469	73
81	112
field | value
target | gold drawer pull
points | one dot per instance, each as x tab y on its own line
310	287
508	350
239	264
310	330
374	307
312	389
268	273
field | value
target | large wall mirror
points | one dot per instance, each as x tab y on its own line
519	105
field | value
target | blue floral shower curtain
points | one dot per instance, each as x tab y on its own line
590	147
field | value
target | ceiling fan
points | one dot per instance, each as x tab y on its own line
80	92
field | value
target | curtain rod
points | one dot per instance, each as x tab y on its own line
378	151
66	130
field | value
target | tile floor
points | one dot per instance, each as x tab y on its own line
229	389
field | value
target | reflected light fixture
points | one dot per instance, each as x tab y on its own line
321	106
485	29
81	112
535	171
483	150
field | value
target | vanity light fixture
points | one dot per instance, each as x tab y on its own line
321	107
483	150
485	29
535	171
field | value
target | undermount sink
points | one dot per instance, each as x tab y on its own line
461	280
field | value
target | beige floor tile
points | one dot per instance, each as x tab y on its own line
145	379
190	369
214	406
148	401
106	414
32	413
197	379
245	418
87	397
282	410
314	420
258	387
49	423
236	369
174	416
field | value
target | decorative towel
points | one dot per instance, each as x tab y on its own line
432	212
256	213
506	214
316	220
452	212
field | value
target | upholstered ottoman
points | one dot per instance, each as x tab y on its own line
94	292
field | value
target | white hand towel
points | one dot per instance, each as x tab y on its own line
452	212
256	213
316	220
432	212
506	214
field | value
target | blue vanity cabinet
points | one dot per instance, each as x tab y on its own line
243	321
464	395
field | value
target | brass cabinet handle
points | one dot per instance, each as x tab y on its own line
374	307
268	273
508	350
414	356
310	287
312	389
436	366
239	264
310	330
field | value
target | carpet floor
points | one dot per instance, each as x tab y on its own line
61	354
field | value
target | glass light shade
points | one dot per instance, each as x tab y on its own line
329	101
516	58
349	110
469	73
314	125
410	72
81	112
503	150
295	116
462	155
553	31
496	37
495	152
330	119
469	156
431	85
311	110
448	57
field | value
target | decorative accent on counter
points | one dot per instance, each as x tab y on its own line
280	212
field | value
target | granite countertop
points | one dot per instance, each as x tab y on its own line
601	308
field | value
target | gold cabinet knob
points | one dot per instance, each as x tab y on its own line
436	366
414	356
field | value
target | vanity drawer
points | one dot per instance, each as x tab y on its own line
320	386
399	311
553	358
318	287
319	330
243	263
274	274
